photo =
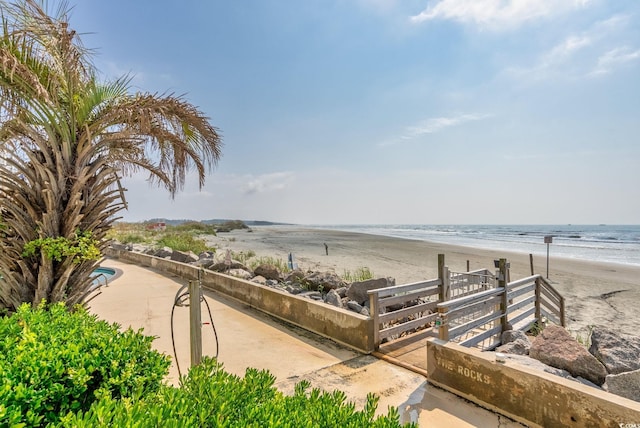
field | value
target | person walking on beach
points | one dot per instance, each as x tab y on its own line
326	248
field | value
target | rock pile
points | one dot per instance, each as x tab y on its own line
612	362
320	286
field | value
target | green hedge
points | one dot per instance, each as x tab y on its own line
53	361
61	368
210	397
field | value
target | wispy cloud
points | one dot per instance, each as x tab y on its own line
268	182
433	125
495	14
614	58
576	55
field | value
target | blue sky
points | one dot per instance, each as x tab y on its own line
396	111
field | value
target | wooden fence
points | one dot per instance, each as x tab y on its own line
472	308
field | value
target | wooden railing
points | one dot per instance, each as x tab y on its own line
479	319
471	308
403	308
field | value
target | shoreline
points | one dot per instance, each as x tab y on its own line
596	293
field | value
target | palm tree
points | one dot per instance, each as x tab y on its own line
65	138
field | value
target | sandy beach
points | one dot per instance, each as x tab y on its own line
596	293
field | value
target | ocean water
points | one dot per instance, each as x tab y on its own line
606	243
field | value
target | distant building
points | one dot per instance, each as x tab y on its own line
160	226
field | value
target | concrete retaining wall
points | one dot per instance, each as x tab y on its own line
529	396
340	325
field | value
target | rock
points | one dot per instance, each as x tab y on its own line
204	262
554	346
538	365
294	276
514	342
333	298
184	257
259	280
293	289
357	291
268	271
223	267
118	246
624	384
342	291
209	255
355	306
323	281
509	336
364	311
313	295
240	273
618	353
518	347
163	252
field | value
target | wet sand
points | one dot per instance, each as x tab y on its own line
595	293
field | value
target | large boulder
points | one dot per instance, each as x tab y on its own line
223	267
357	291
624	384
554	346
333	298
323	281
163	252
514	342
240	273
618	353
295	276
184	256
268	271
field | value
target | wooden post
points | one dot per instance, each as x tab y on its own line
531	263
502	282
443	327
443	274
375	314
468	266
538	314
562	319
195	323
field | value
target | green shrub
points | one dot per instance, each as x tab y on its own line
183	241
268	260
360	274
210	397
193	227
53	361
133	238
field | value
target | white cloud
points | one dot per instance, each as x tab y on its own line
495	14
268	182
433	125
577	53
614	58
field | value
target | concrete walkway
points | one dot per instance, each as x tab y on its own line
143	298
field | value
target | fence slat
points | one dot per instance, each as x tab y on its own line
401	313
474	340
401	328
406	288
462	328
404	298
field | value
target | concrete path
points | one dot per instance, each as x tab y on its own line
143	298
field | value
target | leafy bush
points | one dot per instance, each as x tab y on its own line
82	247
194	227
53	361
183	241
228	226
210	397
132	238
